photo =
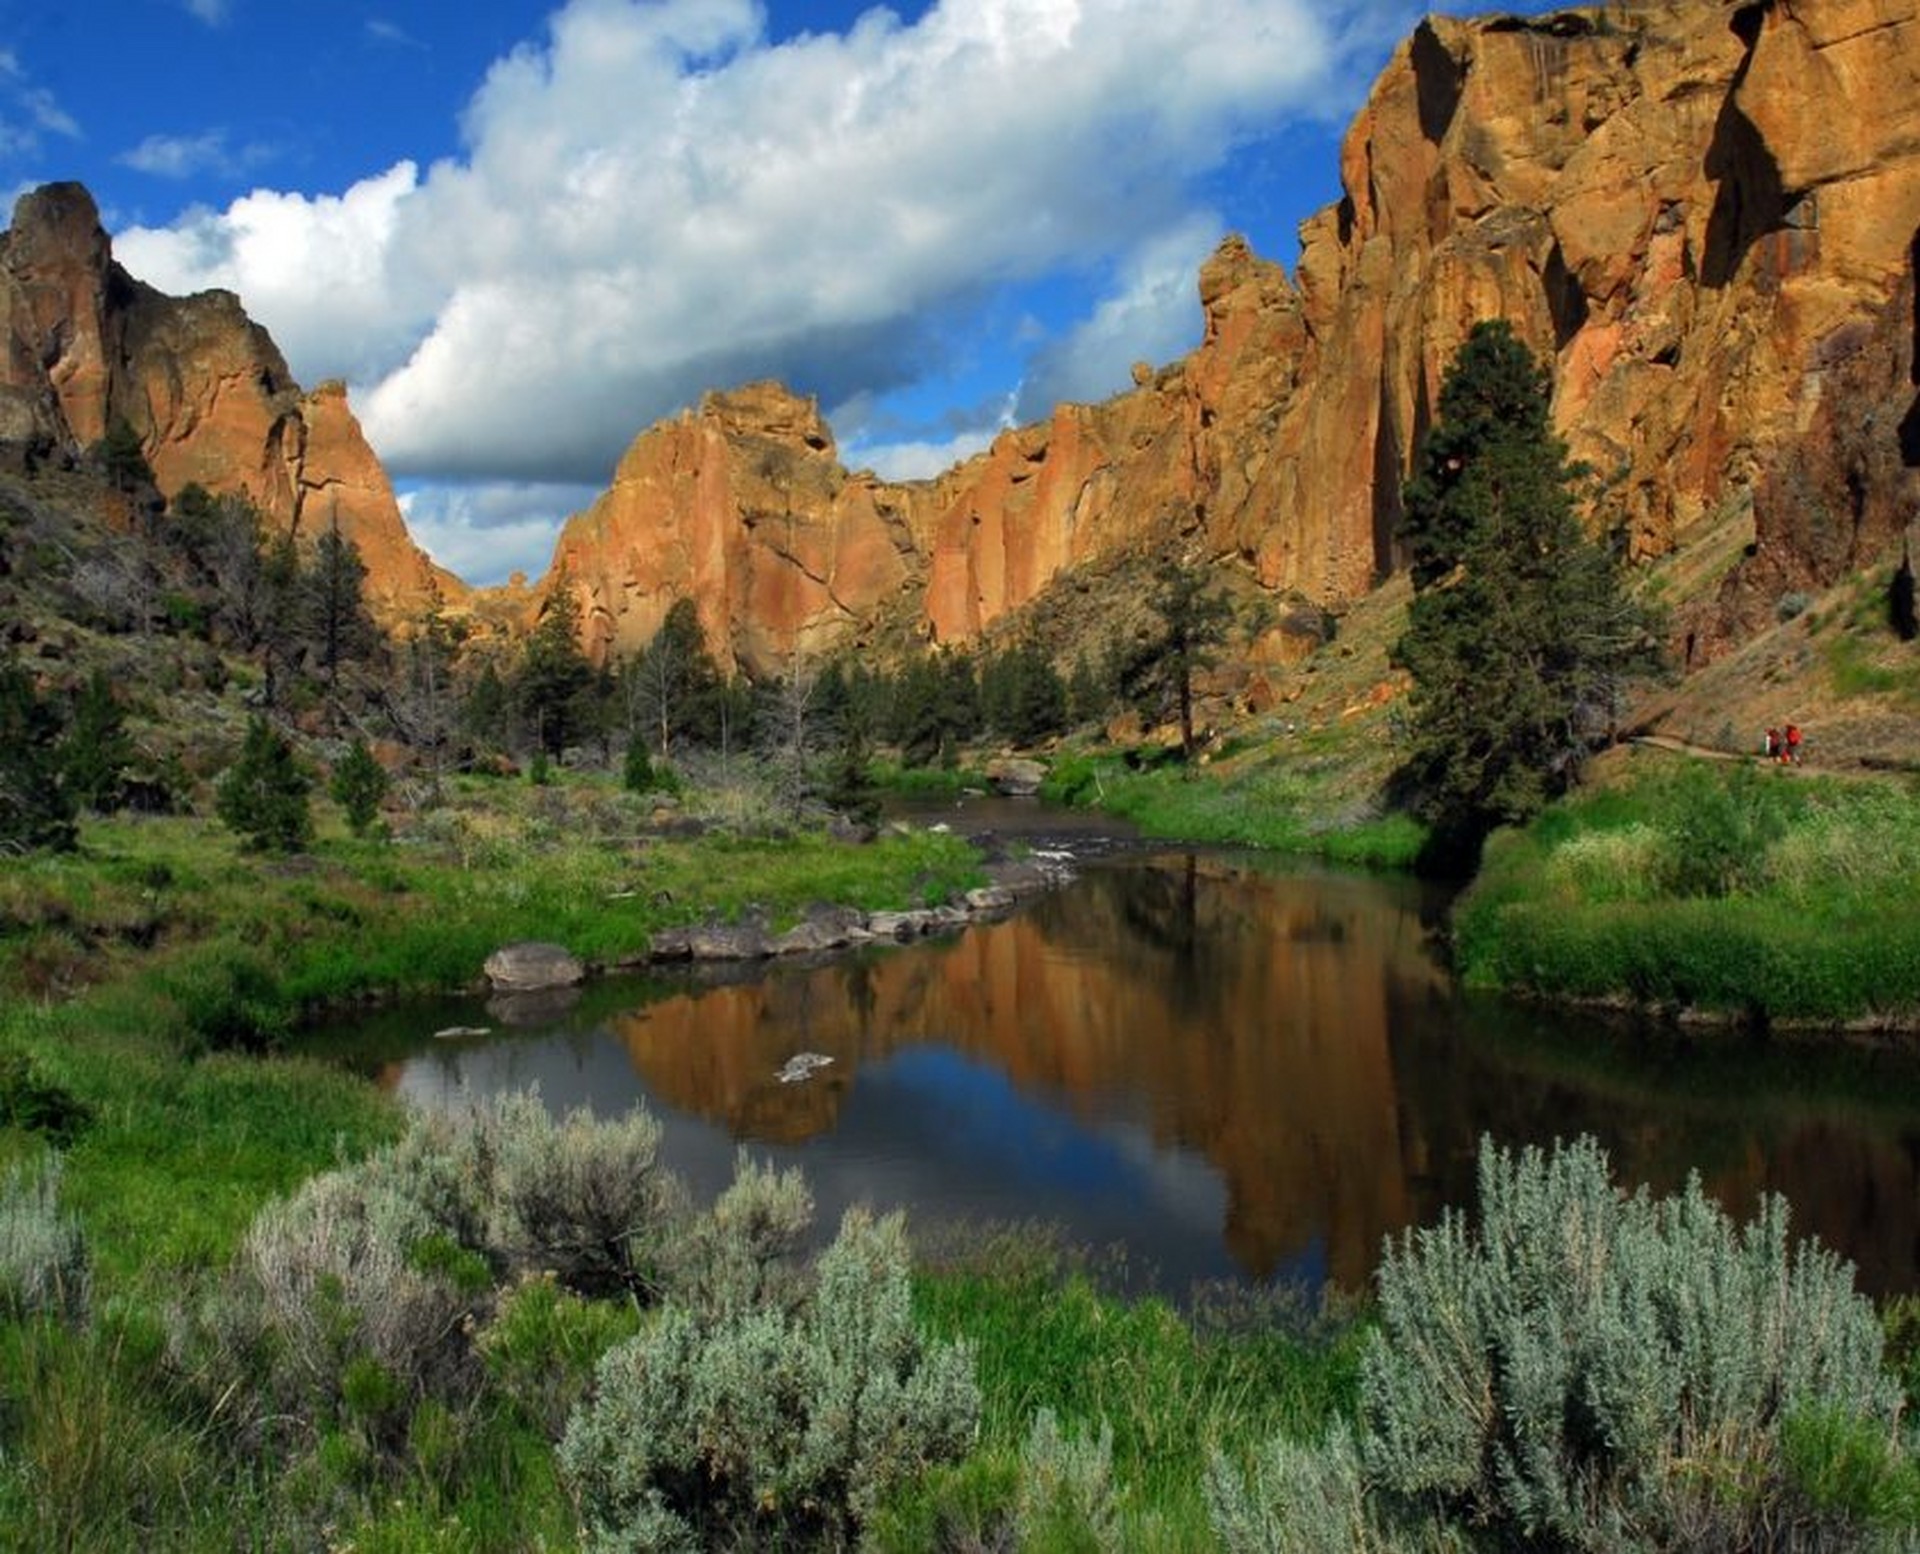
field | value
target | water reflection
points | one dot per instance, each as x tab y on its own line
1226	1067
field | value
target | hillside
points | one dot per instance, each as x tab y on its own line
1679	205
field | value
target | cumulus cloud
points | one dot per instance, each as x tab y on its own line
316	270
185	156
1152	315
658	198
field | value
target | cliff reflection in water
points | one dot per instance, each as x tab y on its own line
1198	1054
1244	1018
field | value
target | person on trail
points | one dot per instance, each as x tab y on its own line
1792	753
1773	744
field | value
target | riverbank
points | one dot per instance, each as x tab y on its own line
156	984
1732	893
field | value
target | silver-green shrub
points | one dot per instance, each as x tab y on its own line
730	1426
1066	1499
582	1197
1307	1499
43	1253
747	1251
1588	1370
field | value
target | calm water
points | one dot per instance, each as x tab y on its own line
1229	1068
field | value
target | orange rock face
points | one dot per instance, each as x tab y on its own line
1696	212
203	385
741	506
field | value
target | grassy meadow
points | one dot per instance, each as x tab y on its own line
1730	890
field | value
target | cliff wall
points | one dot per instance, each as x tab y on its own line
203	386
1704	215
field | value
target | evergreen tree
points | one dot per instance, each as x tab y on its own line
674	688
485	713
123	458
1088	693
1021	694
359	784
36	810
555	677
334	586
1520	638
1195	620
263	795
96	753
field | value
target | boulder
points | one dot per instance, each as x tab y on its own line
530	967
1016	776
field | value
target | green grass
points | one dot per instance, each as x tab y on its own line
1301	806
1171	1388
1737	891
156	985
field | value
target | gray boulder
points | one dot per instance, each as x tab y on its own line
530	967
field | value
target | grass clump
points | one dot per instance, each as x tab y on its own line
1305	808
1747	892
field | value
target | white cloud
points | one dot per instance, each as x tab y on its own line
657	200
1153	316
486	532
314	270
212	12
27	112
184	156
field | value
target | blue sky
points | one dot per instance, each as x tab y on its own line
523	230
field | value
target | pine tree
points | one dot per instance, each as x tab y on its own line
263	795
96	753
554	674
36	810
1521	638
1195	619
359	784
334	586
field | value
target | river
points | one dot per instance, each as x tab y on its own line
1225	1066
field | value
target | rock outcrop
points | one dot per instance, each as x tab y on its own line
1706	216
203	386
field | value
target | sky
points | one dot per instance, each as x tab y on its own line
524	230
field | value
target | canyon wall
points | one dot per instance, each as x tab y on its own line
1704	215
202	385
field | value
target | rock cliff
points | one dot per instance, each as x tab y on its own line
1705	215
204	387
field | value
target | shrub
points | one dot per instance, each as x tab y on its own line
745	1253
1587	1370
43	1254
1066	1499
771	1427
1306	1499
263	796
581	1197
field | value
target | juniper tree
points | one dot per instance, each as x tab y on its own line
334	585
1521	638
96	752
359	784
555	676
674	686
1195	619
263	795
36	810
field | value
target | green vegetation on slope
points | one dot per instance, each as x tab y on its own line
1732	889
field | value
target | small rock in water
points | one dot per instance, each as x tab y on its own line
802	1065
